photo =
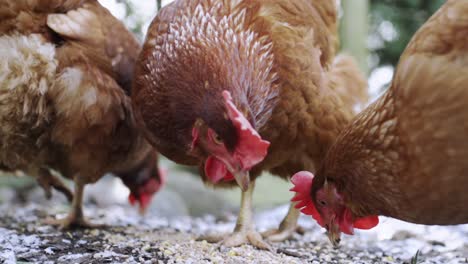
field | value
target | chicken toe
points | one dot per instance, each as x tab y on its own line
75	218
47	180
238	238
245	237
72	221
244	232
287	228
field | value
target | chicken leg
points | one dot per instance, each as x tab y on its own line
244	232
75	217
287	227
47	180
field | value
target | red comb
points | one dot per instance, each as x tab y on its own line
302	186
251	148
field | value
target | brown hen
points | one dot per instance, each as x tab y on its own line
220	84
406	155
65	81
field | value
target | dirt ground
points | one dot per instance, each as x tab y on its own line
24	238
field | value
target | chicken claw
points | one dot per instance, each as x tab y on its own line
282	234
287	228
238	238
71	222
244	232
244	237
75	217
47	180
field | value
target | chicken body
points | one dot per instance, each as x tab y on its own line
218	80
65	78
406	155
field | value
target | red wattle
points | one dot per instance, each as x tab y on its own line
131	199
228	176
145	200
367	222
346	222
215	170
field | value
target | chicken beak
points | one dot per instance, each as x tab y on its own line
142	210
242	178
334	233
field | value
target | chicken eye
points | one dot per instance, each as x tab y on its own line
322	203
217	139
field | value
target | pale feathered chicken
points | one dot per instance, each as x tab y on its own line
65	78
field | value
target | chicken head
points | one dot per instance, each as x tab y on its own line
222	162
144	181
328	208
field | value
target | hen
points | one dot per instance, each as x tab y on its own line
220	84
406	155
65	79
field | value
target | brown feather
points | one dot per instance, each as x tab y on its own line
64	91
274	57
405	155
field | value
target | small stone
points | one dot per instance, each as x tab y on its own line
49	251
165	244
146	247
327	258
94	232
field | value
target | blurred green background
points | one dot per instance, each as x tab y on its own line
374	31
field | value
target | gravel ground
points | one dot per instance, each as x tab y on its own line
156	239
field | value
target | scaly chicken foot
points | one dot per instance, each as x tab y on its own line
47	180
72	221
75	218
287	228
244	232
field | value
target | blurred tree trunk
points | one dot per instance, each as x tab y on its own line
354	30
158	4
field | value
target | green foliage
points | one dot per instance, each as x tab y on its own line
132	20
158	4
406	16
415	259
